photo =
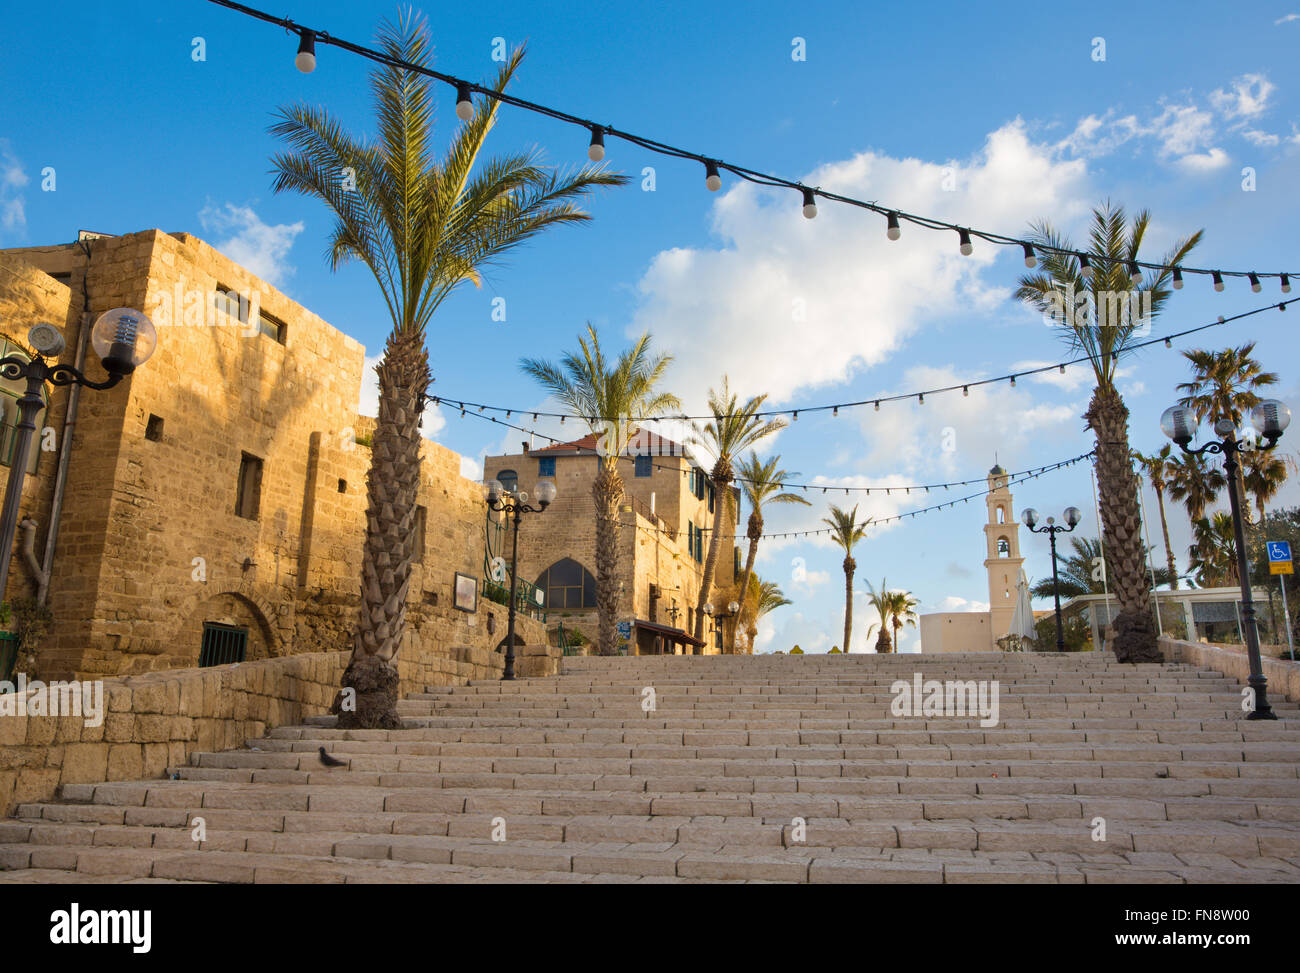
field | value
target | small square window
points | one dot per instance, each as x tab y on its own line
546	466
643	466
272	327
343	485
153	429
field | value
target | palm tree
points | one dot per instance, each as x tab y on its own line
733	429
1225	385
1084	572
763	597
762	482
902	609
884	606
1195	483
604	395
1158	467
846	532
1263	475
1214	555
422	226
1104	328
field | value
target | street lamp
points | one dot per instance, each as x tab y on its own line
733	609
499	498
1270	419
1051	529
124	339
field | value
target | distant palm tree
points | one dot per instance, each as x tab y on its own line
884	606
1263	475
422	226
762	597
1195	482
902	610
604	394
1084	572
762	483
1158	467
846	531
1095	314
1214	555
1225	385
735	427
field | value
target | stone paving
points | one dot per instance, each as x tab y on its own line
747	769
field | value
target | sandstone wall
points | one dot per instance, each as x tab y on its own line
1283	675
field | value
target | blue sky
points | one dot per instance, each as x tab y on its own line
1006	104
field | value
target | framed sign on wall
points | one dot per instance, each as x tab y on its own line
466	592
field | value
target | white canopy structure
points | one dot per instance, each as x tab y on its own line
1022	619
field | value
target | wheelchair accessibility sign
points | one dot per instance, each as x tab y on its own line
1279	558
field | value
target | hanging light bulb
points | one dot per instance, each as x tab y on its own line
711	177
305	59
464	107
1085	268
795	415
965	391
809	204
596	150
1013	381
920	398
1178	278
835	411
1218	280
1254	282
964	237
1062	369
877	405
1286	284
891	222
1134	273
1030	259
1168	343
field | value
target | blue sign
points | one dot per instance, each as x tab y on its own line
625	630
1279	550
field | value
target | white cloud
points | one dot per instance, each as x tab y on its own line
1182	129
1248	97
248	241
1262	139
368	402
471	468
1286	20
953	603
13	212
744	298
1097	136
1205	161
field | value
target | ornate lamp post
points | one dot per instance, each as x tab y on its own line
1051	529
123	338
1270	419
516	505
733	609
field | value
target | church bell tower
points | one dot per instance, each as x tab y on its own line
1002	540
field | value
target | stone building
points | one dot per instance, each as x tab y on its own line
979	631
668	513
211	507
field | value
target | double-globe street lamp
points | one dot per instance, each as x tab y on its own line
1051	529
515	505
123	338
1270	419
733	609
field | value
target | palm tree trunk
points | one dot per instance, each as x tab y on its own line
392	484
849	566
722	508
1135	635
753	532
607	491
883	646
1164	529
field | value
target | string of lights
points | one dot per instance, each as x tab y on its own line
834	408
884	520
825	488
305	59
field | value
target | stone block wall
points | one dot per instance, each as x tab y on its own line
1283	675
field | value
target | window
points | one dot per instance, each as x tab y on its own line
222	644
546	466
695	541
1002	515
10	391
229	301
272	327
1004	549
343	485
568	585
644	466
249	490
509	480
417	552
153	429
698	479
710	490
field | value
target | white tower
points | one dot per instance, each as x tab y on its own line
1002	538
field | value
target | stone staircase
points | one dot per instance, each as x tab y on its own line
768	768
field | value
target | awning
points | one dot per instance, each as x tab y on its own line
669	633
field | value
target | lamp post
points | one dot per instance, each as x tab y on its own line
1270	419
124	339
516	505
733	608
1051	529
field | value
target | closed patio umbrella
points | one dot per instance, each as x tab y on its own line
1022	619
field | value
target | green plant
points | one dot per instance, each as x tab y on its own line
1078	636
28	621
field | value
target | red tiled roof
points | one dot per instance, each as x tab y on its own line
643	441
